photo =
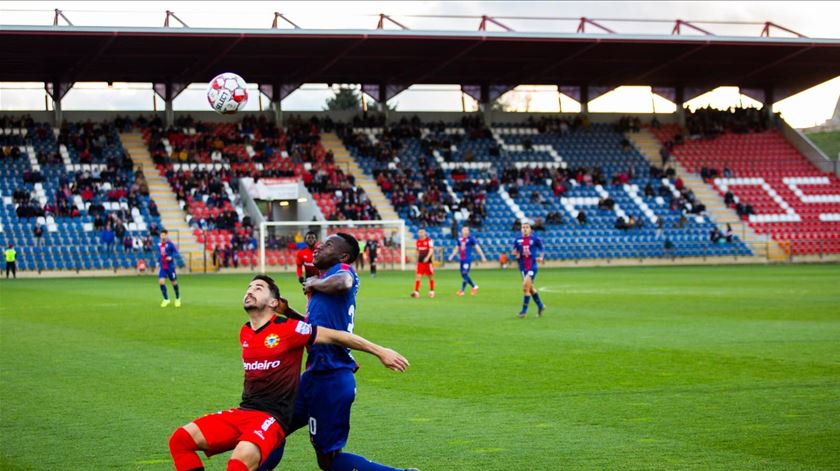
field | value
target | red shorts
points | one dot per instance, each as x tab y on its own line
425	269
224	429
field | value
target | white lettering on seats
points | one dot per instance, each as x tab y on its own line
794	182
789	216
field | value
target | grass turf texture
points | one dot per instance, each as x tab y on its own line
631	368
828	142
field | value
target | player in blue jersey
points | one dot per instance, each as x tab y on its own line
464	252
528	250
166	268
328	386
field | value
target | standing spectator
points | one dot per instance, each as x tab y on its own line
108	237
38	231
11	256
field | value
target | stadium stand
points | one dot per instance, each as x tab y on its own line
71	199
440	175
760	175
204	161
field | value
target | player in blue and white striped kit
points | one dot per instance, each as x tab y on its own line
464	252
528	250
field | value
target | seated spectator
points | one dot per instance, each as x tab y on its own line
620	223
581	217
539	225
715	236
728	234
606	203
631	223
729	198
127	243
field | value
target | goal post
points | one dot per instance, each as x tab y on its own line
278	239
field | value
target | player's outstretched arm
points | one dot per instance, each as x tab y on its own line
388	357
333	284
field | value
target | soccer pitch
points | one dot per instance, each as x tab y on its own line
671	368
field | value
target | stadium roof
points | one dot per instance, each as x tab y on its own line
183	55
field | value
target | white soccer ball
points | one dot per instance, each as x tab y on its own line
227	93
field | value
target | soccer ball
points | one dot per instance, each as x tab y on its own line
227	93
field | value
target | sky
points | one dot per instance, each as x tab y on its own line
813	19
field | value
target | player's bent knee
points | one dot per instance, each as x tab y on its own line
196	435
248	453
325	461
161	281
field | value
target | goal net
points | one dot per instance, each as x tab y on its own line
279	241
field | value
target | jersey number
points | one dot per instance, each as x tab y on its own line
352	314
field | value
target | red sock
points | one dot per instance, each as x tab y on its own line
416	285
182	448
431	284
236	465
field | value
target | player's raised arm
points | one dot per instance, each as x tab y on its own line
391	359
334	284
284	308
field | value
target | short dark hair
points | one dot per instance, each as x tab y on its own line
352	244
272	286
164	231
312	233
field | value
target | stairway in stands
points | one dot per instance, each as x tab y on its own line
172	216
649	147
346	163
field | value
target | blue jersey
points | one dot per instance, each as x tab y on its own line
167	249
528	248
334	311
465	247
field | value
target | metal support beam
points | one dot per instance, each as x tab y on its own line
383	17
278	15
485	19
680	23
583	22
60	14
173	15
769	24
584	99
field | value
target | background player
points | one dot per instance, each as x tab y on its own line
372	248
272	348
305	268
464	251
166	268
425	256
528	250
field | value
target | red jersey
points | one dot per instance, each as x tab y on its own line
271	357
305	257
423	247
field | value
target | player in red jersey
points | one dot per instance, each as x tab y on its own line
272	348
305	267
425	257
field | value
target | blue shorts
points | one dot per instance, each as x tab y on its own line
532	272
168	273
465	268
323	402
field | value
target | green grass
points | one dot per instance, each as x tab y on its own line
677	368
828	142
